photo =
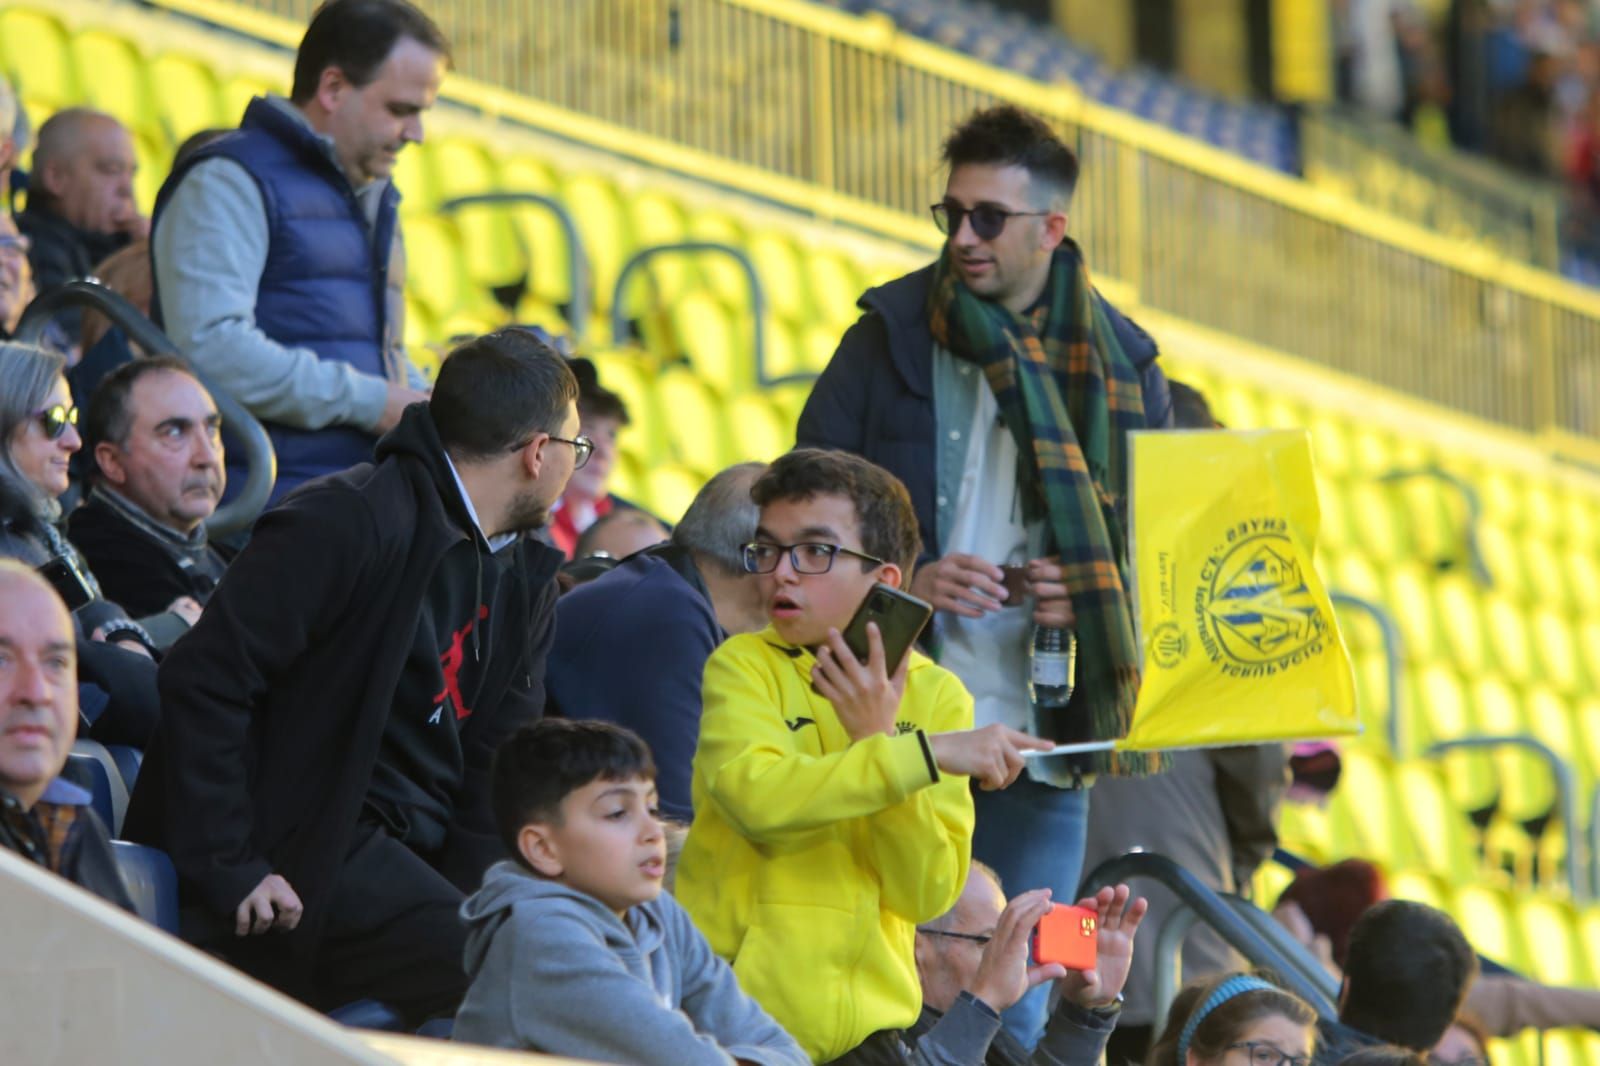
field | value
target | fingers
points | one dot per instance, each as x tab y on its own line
261	916
241	917
1050	971
1026	741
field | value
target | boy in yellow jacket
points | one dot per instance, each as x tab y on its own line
832	811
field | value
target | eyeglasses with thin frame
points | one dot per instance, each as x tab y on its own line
807	558
988	220
976	938
55	419
582	448
1268	1055
16	243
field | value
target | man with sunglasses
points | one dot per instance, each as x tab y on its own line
320	777
999	387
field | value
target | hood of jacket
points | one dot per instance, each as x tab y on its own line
416	438
508	885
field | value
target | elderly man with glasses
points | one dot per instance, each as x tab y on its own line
999	386
16	277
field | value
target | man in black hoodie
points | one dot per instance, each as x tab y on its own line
321	774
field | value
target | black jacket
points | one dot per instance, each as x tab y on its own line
275	704
139	564
876	396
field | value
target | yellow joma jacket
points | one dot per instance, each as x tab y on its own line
812	859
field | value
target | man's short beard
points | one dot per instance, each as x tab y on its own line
527	512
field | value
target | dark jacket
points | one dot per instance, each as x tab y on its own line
324	284
651	611
970	1035
140	564
275	704
876	396
1336	1040
63	834
62	251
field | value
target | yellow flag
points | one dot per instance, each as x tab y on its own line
1240	641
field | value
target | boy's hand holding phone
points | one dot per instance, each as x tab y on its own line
864	695
992	755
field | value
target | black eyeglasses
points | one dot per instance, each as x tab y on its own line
760	558
582	448
1267	1055
976	938
15	243
988	220
55	419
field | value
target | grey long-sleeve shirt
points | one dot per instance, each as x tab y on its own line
210	249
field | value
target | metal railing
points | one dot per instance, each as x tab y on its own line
577	255
1393	658
842	116
260	462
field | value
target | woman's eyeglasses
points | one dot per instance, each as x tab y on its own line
55	419
1267	1055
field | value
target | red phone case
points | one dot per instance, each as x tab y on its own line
1068	935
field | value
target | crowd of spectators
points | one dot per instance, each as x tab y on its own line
440	729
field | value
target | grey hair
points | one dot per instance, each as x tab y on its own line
8	111
722	518
27	374
977	869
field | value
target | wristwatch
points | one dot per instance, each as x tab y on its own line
1107	1010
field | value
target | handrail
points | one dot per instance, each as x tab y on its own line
758	295
1393	657
261	464
577	255
1210	908
1566	796
1594	842
1469	492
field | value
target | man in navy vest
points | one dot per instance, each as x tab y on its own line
275	250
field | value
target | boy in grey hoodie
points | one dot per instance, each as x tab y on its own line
572	948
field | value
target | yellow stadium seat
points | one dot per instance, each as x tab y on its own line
627	477
186	97
790	400
111	76
631	375
818	343
758	429
38	60
1569	1047
1420	886
669	489
1484	914
1582	572
1434	520
778	262
835	288
418	329
657	219
1520	1050
1510	646
414	179
1330	444
1457	607
720	272
1306	831
526	173
1373	513
1500	495
1580	518
709	338
237	92
434	273
784	354
1527	788
1408	600
1552	719
458	166
1357	576
1588	638
152	153
1440	705
594	205
1236	405
1364	813
1440	832
1549	928
1541	511
1372	695
1373	450
694	420
1268	884
1556	651
1334	531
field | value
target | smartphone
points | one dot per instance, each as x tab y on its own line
70	585
1068	935
900	617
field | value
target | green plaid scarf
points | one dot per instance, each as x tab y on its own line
1069	395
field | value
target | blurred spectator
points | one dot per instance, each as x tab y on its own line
587	498
973	961
1384	1055
1406	975
154	435
1212	812
80	196
276	249
933	382
1235	1019
40	427
620	534
329	724
11	146
573	947
665	610
42	816
16	276
1465	1043
1525	134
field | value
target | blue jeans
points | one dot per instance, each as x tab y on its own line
1032	835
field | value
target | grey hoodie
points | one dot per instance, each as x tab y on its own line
554	970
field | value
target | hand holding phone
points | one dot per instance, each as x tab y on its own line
1069	936
900	617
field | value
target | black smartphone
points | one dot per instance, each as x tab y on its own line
900	617
70	585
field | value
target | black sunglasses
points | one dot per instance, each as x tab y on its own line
976	938
55	419
988	220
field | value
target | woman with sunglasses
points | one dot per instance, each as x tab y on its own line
38	428
1236	1019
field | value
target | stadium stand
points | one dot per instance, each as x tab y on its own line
1479	547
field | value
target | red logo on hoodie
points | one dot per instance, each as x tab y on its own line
451	662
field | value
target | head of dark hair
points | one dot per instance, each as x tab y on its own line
1006	135
1190	409
541	764
594	399
887	521
110	413
496	391
357	36
1406	974
1226	1022
1384	1055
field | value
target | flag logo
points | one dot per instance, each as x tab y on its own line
1254	608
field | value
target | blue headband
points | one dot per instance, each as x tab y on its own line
1233	986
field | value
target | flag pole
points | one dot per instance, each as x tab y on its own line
1080	748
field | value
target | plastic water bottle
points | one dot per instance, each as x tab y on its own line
1052	665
